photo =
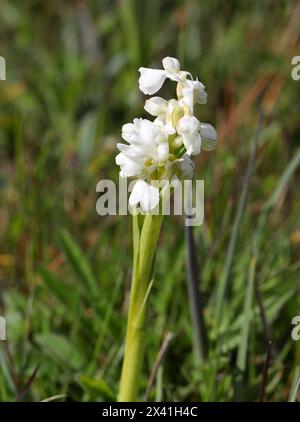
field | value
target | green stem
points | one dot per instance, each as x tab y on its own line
145	243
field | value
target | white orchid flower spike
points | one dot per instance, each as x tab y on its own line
161	149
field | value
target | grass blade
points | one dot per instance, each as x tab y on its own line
59	289
247	313
78	262
295	387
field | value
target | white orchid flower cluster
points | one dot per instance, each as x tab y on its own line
161	149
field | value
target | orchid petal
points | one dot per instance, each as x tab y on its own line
129	167
208	136
144	194
192	143
156	106
151	80
171	65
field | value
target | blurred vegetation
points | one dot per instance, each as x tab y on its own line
65	271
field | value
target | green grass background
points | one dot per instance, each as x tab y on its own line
65	272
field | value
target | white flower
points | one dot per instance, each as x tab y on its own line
191	93
147	148
145	195
188	127
151	80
